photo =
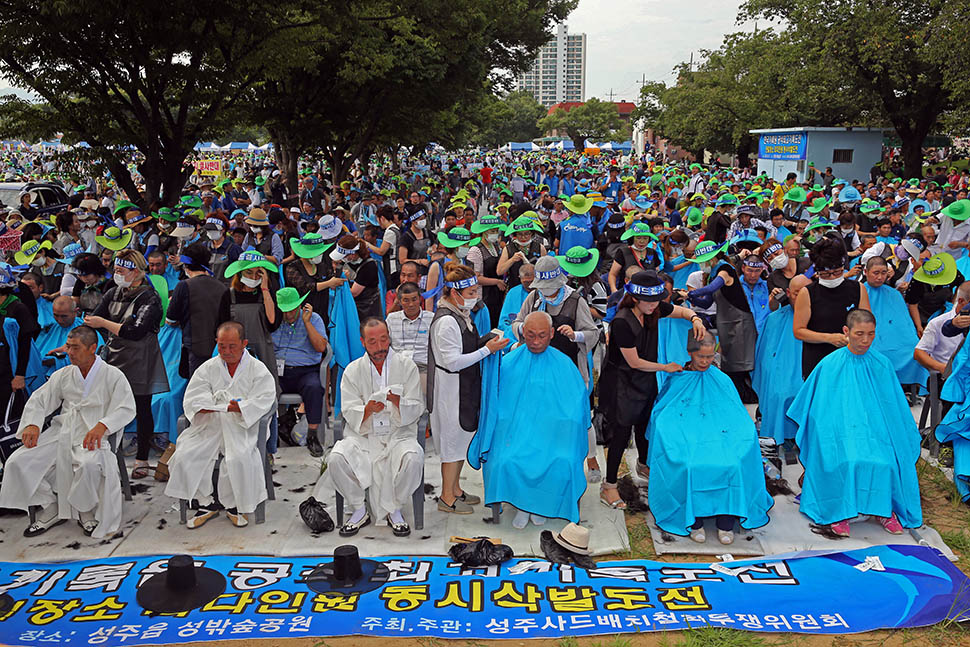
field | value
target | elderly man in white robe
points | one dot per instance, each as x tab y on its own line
381	402
69	470
224	402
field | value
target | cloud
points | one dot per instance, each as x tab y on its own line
627	39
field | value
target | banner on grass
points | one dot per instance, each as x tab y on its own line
93	602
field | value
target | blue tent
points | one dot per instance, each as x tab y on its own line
244	146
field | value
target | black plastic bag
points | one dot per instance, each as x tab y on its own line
480	553
315	516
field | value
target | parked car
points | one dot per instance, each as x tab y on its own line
49	197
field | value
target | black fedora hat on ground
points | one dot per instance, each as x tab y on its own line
347	573
182	586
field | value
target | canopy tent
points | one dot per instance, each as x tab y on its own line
520	146
239	146
206	146
614	146
265	147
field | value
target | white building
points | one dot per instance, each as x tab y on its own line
559	72
849	152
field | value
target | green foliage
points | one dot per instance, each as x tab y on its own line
594	120
154	75
398	73
756	80
506	119
907	59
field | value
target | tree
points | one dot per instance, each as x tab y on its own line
157	76
594	120
512	118
408	74
888	53
754	80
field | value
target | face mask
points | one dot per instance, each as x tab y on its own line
255	230
122	281
492	238
461	252
779	262
466	306
846	232
353	261
213	235
543	216
549	292
420	224
251	283
831	283
39	261
316	259
524	245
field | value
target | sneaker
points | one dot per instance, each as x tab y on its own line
470	499
841	528
202	515
458	507
697	534
725	537
238	520
39	527
351	529
892	525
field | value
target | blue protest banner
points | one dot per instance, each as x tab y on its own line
93	602
782	146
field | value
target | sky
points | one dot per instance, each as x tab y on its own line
626	39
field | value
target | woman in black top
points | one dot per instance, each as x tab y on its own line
312	271
638	253
353	261
821	308
628	384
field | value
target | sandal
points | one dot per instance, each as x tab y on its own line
140	471
619	504
88	527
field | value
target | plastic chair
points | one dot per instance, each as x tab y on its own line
292	399
933	410
260	512
417	498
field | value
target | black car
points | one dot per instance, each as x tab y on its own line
49	197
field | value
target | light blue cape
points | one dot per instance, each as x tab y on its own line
704	455
857	440
777	374
955	426
532	454
895	333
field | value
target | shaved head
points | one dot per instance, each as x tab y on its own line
537	331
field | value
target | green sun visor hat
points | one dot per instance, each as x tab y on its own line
796	194
578	203
694	216
707	250
818	222
579	261
523	223
247	261
289	299
638	229
940	269
310	246
488	223
818	204
870	206
456	237
959	210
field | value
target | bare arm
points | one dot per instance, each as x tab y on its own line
803	312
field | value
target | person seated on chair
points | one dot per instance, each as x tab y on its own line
51	340
380	399
858	459
224	402
70	470
533	456
704	456
300	342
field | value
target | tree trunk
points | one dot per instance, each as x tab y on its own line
743	152
912	151
579	143
287	158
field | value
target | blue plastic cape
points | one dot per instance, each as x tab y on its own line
382	288
343	333
488	412
704	455
45	313
482	320
757	297
167	407
514	299
36	373
671	343
895	333
533	456
51	337
679	276
955	426
858	441
777	374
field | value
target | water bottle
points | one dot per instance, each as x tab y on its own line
770	470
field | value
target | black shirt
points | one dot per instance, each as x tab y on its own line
622	336
829	309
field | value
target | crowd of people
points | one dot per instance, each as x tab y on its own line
518	310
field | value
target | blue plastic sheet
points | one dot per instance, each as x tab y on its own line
777	374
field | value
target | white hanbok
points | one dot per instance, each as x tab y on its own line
380	454
241	481
59	469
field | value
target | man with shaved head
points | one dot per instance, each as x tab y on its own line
52	338
533	450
